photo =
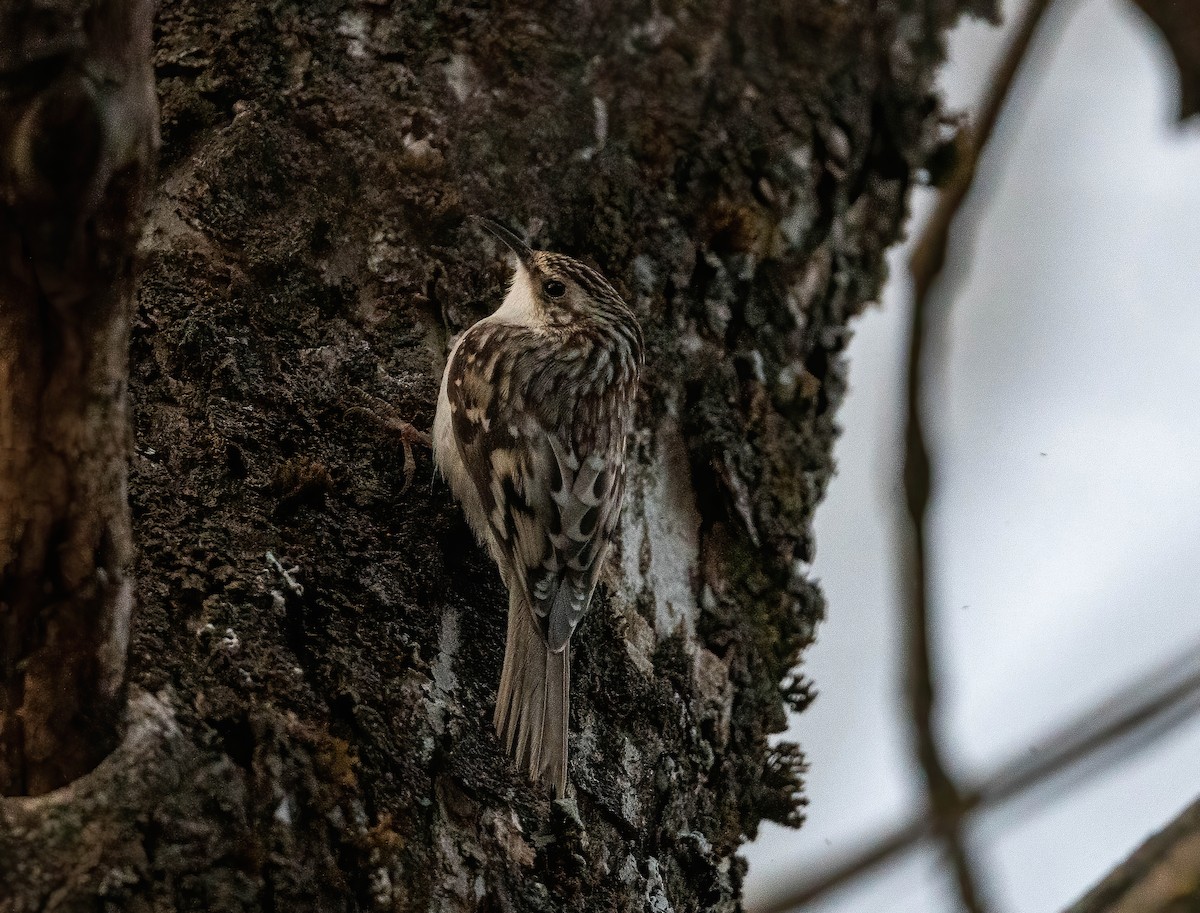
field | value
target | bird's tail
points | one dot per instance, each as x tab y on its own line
534	702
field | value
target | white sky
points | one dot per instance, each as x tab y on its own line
1066	429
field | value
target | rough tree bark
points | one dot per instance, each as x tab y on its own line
78	127
323	641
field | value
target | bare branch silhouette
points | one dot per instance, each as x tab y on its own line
1162	875
944	798
1180	26
1130	722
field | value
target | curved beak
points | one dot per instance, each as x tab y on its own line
522	251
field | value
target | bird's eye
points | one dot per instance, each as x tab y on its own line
554	289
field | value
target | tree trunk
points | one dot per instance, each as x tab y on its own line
322	640
78	125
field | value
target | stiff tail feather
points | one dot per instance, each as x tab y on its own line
534	701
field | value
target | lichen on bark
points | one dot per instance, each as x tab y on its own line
738	174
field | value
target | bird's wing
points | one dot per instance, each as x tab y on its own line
550	473
586	491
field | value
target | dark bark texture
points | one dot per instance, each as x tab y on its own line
78	127
322	640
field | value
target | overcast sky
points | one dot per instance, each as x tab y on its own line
1066	428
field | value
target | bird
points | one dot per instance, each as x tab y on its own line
536	407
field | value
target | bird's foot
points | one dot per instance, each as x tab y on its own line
384	415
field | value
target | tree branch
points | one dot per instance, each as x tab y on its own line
1131	721
1162	876
928	257
1179	24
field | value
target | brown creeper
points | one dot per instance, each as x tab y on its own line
536	404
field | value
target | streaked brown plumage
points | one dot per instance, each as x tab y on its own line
535	408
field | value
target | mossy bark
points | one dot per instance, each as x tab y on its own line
325	643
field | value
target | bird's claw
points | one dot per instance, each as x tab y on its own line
386	416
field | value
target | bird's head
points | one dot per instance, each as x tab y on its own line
556	288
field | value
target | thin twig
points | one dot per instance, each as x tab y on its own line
1133	720
929	255
929	252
